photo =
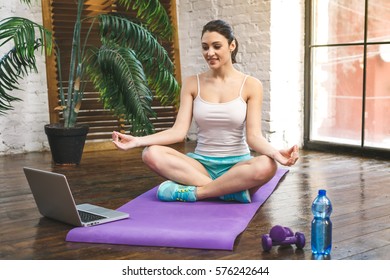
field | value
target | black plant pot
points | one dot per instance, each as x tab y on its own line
66	144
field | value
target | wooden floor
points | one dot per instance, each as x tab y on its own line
358	187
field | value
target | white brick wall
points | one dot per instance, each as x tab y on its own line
21	130
267	51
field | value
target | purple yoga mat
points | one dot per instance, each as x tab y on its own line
211	224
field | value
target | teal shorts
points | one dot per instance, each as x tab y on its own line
217	166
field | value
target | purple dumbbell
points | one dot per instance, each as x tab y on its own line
279	233
282	236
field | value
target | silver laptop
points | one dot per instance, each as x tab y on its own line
54	200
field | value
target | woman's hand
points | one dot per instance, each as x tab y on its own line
287	157
123	141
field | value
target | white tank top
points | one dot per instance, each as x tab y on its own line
221	126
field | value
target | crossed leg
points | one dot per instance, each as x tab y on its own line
173	165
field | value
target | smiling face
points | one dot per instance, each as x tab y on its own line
216	49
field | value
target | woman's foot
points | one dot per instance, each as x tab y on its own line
172	191
242	196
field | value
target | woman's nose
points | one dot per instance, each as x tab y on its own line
210	52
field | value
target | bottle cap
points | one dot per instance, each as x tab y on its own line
322	192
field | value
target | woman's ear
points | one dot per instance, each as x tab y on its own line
232	46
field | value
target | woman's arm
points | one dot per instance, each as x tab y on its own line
176	133
254	96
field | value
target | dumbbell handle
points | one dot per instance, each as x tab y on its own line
298	239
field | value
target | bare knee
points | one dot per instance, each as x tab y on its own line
151	154
264	169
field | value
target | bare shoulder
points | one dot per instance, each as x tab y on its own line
190	81
190	85
253	88
253	82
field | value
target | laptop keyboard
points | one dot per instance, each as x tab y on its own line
88	217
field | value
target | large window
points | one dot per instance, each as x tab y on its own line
348	53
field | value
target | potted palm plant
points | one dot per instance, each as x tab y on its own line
129	64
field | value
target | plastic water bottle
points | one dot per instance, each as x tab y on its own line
321	226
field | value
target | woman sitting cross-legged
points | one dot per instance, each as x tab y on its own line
226	106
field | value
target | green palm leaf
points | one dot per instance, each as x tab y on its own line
125	32
12	68
27	37
28	2
153	16
23	32
157	65
161	80
117	73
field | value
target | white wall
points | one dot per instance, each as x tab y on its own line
287	72
270	36
21	130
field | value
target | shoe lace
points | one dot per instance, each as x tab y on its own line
182	194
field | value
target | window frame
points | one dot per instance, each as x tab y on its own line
330	146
